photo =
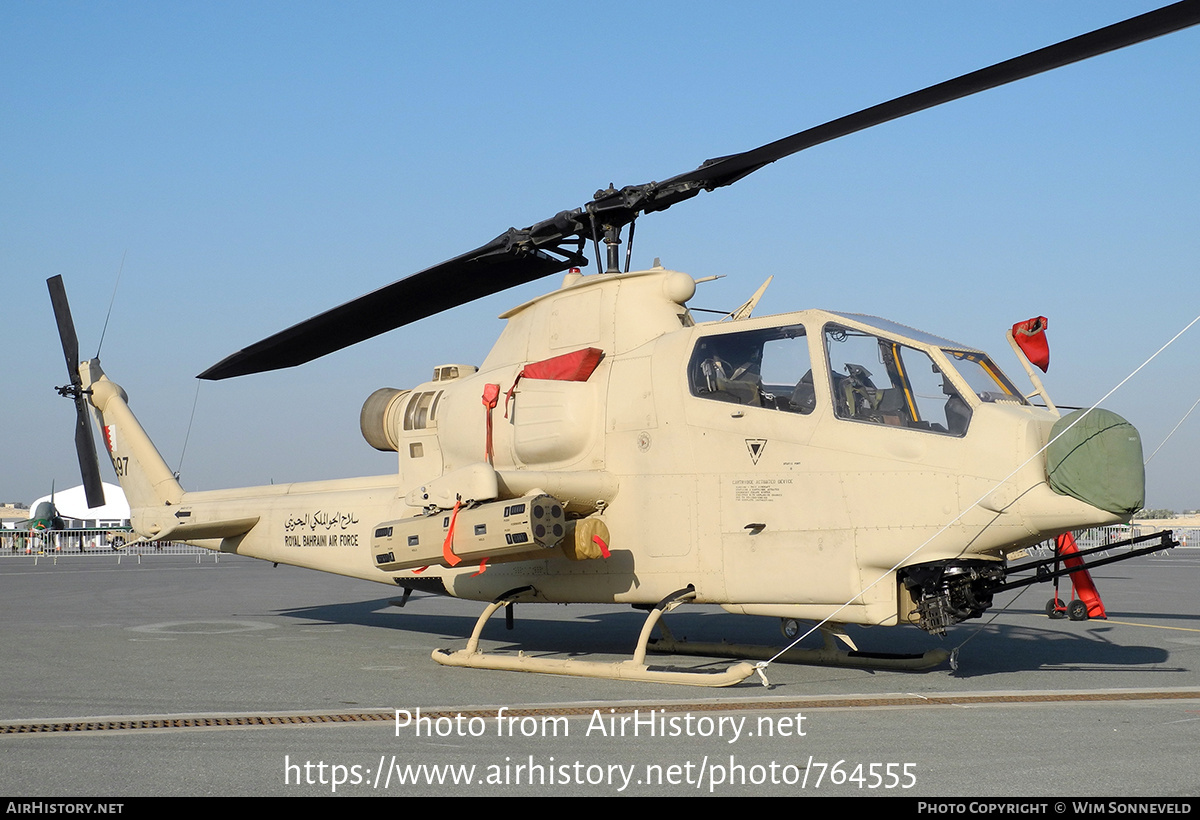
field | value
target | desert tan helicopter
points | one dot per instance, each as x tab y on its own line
610	449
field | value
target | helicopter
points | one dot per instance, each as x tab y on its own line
814	465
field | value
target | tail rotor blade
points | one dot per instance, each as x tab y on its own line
85	442
85	447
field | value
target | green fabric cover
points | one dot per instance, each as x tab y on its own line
1098	461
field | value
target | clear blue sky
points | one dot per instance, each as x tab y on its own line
261	162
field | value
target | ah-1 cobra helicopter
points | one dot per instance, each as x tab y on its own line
610	449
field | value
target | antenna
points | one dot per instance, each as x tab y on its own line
111	302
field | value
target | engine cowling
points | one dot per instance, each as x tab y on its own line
382	417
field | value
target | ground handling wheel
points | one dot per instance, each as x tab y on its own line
1055	609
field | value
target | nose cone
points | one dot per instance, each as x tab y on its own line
1096	457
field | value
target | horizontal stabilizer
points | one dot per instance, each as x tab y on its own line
207	529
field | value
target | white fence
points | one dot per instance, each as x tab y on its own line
1186	537
1102	536
110	541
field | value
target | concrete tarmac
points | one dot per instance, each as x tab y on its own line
1036	707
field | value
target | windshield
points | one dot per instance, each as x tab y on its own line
985	379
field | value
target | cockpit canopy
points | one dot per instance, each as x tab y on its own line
873	370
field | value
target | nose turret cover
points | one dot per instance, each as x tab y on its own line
1098	461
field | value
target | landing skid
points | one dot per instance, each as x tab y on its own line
829	655
635	669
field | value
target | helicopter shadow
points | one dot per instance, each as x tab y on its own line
1010	648
591	632
544	629
992	649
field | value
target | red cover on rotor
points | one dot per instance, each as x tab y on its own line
1031	338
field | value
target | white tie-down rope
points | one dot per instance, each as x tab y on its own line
761	666
1173	429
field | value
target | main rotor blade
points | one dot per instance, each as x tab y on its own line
517	257
486	270
727	170
85	442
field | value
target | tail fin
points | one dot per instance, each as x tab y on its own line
144	476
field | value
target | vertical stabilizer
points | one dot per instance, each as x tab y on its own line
144	476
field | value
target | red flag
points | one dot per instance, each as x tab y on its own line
1031	338
491	395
